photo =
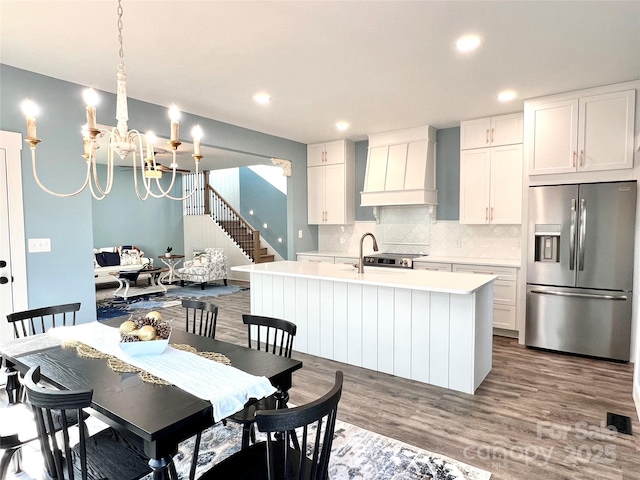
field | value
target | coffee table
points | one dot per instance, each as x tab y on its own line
125	278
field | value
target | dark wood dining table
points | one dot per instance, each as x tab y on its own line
162	416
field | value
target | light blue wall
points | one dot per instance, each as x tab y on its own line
448	173
66	273
152	225
268	204
362	213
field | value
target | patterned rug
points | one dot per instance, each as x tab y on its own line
356	454
108	306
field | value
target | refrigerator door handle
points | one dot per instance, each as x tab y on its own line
582	233
572	235
580	295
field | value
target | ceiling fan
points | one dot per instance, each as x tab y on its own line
151	171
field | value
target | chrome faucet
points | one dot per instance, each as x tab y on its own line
361	257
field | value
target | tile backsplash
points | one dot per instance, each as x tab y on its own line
409	230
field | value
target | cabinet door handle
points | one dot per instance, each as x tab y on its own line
492	135
491	213
486	213
573	161
581	158
487	136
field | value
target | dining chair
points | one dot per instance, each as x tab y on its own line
282	459
201	317
105	455
39	320
272	335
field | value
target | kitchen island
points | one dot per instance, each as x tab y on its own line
433	327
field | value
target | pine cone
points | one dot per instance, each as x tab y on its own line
130	337
163	330
140	322
154	322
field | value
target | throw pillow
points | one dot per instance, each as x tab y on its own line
99	259
129	257
110	259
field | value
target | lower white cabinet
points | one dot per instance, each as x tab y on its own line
504	292
315	258
504	288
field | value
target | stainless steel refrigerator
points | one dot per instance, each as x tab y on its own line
580	268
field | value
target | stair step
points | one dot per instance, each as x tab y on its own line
265	258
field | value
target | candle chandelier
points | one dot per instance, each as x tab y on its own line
122	141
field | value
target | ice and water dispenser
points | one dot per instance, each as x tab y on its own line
547	243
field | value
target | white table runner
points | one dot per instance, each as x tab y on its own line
226	387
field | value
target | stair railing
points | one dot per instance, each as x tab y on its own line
227	218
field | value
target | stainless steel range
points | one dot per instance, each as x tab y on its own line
396	260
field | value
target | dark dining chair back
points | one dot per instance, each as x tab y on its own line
269	334
39	320
201	317
312	424
104	455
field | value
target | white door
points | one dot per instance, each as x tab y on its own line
315	195
552	137
13	268
315	155
334	152
474	133
334	194
605	135
506	185
474	185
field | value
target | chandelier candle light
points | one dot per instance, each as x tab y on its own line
120	140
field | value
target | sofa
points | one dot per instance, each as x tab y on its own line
207	266
109	260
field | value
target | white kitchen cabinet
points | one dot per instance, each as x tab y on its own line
580	133
491	131
314	258
330	184
327	153
432	266
504	292
491	185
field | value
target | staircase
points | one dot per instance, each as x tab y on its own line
237	228
245	238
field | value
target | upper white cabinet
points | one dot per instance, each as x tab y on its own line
330	183
491	131
326	153
491	185
579	133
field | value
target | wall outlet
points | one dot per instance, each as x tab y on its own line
457	242
299	233
39	245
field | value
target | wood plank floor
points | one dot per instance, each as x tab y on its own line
538	415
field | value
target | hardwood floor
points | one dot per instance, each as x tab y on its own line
538	415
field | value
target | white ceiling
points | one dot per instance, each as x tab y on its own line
381	66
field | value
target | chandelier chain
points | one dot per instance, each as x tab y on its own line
120	26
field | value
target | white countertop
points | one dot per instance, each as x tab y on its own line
445	282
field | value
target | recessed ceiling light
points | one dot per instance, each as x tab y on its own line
506	96
342	126
262	98
468	43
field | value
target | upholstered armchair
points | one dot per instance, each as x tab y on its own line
206	266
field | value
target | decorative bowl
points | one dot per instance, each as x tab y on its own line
138	349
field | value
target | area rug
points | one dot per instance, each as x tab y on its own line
356	454
108	306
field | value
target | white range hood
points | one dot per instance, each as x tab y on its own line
401	169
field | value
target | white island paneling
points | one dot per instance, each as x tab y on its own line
434	327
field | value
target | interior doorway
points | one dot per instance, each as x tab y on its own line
13	264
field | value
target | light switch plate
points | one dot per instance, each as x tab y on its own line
37	245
